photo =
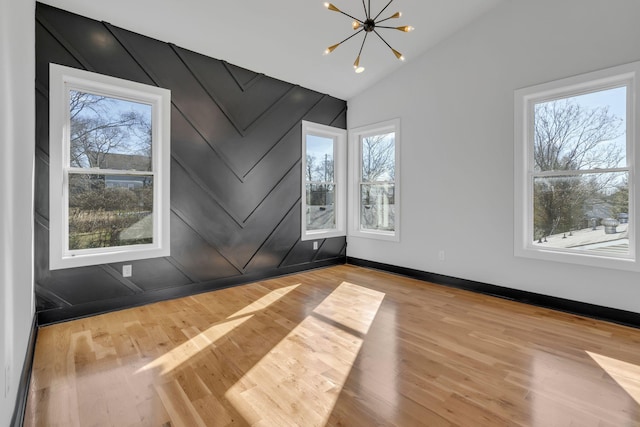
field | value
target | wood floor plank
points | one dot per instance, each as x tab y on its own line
340	346
178	406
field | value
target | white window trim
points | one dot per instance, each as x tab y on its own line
61	80
524	100
355	158
339	137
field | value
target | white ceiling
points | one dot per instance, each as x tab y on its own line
286	39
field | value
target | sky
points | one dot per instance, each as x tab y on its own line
318	146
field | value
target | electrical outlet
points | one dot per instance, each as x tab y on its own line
126	270
7	380
441	255
315	246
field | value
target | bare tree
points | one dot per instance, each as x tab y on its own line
319	170
97	130
378	158
320	173
311	168
378	164
567	137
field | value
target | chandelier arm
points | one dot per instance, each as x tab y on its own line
385	42
369	12
362	45
366	14
383	9
385	19
352	35
352	17
390	28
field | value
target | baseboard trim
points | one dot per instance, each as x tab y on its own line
57	315
17	420
622	317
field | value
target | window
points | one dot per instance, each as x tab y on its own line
109	169
574	177
375	201
324	192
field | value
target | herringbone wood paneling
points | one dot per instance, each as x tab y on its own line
235	169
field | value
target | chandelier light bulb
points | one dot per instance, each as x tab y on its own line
331	49
398	54
359	70
356	25
330	6
406	28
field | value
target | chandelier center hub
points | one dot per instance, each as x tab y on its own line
369	25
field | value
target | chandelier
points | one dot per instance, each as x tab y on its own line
369	25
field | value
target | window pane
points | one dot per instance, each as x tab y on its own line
585	212
110	210
319	159
109	133
378	158
321	213
581	132
377	207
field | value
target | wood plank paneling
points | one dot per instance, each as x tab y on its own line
235	167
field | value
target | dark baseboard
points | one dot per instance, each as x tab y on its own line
25	377
622	317
56	315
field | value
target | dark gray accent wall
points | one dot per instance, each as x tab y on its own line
235	170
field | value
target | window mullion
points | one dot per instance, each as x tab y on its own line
97	171
577	172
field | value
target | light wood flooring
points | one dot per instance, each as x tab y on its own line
340	346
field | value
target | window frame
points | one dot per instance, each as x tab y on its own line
524	102
62	80
355	177
339	137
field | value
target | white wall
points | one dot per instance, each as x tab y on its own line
456	109
17	136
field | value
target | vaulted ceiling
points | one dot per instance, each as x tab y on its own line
286	39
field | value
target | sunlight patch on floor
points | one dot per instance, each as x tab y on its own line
627	375
298	382
185	351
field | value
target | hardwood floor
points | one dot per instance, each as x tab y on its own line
341	346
